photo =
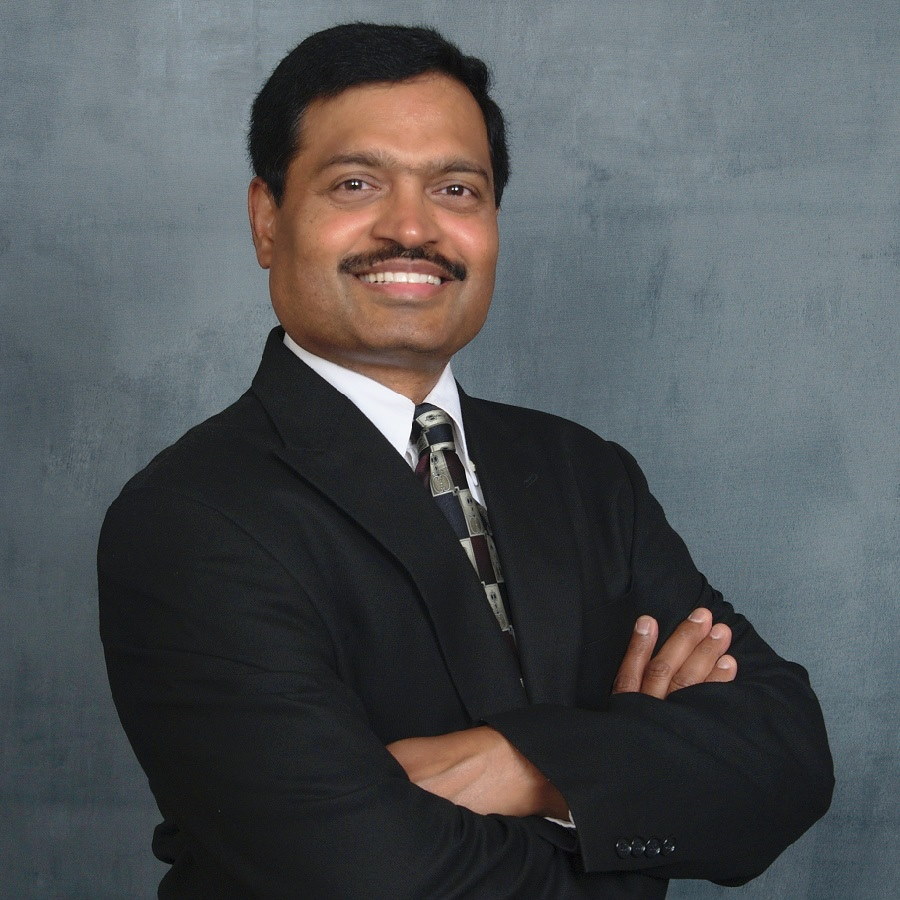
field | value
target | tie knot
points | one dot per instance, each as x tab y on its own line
431	426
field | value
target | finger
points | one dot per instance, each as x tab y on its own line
724	670
702	660
640	649
673	653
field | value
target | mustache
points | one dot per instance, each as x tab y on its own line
354	265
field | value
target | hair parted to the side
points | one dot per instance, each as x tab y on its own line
330	61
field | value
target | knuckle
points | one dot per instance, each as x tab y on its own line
658	668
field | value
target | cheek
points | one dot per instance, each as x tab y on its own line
328	238
480	244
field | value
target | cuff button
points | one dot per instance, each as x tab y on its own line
623	848
653	848
668	846
637	847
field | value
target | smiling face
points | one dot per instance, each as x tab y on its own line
383	250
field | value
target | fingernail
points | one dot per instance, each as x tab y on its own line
698	615
642	626
723	664
717	632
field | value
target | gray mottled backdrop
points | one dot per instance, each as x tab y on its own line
700	260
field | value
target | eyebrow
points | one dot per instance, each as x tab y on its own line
379	160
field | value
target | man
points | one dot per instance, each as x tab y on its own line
371	637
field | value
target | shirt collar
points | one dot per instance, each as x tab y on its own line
391	413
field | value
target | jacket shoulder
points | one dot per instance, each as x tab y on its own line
554	434
208	456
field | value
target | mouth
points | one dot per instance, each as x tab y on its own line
405	280
401	278
400	281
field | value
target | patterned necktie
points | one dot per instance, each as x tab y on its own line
440	469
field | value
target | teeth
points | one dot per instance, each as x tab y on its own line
399	278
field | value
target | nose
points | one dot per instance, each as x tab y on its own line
406	217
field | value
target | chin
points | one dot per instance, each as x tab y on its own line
415	355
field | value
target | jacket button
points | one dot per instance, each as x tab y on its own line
623	848
653	848
637	847
668	846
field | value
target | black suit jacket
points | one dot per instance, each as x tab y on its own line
279	599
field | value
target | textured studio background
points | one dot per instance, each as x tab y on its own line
700	260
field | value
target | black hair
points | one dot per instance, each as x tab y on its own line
330	61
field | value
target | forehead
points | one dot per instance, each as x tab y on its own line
430	114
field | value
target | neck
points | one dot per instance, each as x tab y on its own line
414	384
413	379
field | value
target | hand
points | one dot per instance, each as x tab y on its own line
479	769
695	653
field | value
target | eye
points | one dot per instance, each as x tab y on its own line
459	197
458	190
353	190
354	185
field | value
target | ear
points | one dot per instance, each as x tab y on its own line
263	211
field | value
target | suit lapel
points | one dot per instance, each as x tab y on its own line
326	437
536	548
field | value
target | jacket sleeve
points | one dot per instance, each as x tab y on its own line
257	752
714	781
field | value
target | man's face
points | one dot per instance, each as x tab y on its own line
382	253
